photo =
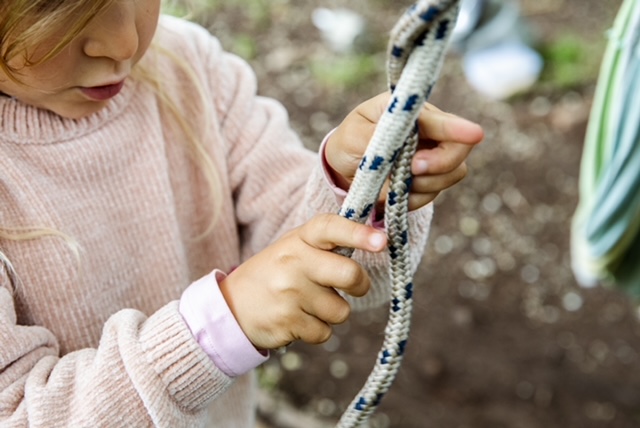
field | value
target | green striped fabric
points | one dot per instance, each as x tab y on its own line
606	226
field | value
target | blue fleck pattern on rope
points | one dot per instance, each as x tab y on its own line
416	53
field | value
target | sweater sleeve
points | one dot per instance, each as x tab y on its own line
145	372
277	183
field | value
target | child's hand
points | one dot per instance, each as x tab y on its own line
288	292
439	163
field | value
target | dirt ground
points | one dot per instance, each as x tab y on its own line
501	335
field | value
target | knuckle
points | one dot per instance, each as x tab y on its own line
286	259
283	340
320	333
352	274
282	284
343	311
323	334
420	200
323	220
319	224
461	172
464	169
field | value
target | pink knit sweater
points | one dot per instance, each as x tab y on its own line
97	340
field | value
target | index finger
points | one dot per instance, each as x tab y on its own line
434	124
328	231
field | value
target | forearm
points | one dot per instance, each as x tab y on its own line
147	371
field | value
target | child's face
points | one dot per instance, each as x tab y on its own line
92	68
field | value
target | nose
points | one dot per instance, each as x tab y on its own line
113	33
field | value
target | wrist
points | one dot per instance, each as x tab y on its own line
215	328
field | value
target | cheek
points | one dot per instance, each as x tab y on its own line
149	13
51	69
6	85
52	73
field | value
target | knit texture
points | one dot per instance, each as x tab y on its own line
97	340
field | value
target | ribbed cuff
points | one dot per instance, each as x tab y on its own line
190	375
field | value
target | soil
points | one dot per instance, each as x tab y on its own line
502	336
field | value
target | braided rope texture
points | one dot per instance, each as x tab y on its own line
416	53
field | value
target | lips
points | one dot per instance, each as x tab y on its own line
103	93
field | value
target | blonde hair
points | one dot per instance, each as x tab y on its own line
22	234
27	23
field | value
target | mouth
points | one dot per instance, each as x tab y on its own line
102	93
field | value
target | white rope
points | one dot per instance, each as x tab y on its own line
416	53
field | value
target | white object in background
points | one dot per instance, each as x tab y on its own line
339	27
468	18
502	70
500	21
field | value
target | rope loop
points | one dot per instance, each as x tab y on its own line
415	56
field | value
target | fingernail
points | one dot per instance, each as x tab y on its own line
420	166
377	240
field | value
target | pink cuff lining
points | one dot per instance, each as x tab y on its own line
211	322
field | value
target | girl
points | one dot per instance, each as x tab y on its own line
138	167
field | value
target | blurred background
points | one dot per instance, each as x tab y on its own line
502	336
